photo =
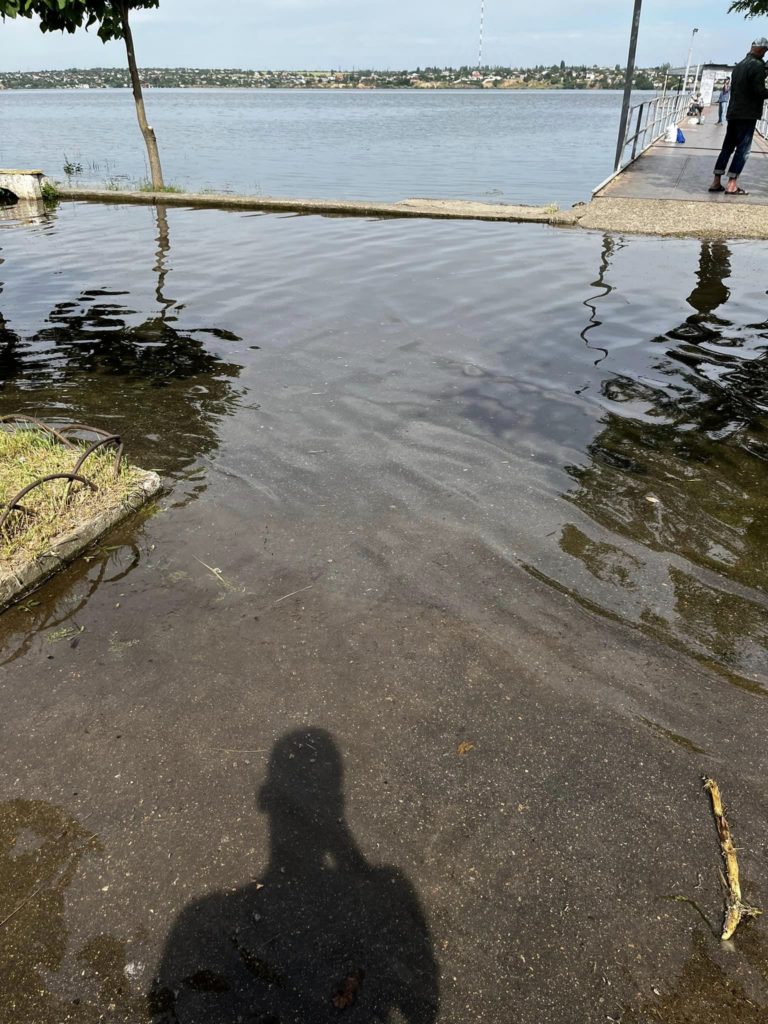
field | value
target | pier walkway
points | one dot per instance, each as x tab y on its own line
683	171
666	192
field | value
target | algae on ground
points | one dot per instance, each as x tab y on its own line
26	455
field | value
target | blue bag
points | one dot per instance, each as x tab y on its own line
680	136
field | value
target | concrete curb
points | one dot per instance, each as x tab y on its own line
440	209
663	218
674	218
14	586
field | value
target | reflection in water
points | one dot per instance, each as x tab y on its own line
610	246
89	363
679	467
100	565
320	932
40	850
43	981
707	992
10	343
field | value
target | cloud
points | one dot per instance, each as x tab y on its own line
389	33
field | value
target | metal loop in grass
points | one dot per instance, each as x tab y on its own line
20	417
13	504
108	439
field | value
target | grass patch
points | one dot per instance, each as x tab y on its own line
49	191
26	455
147	186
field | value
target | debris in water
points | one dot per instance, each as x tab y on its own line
464	747
735	909
65	633
220	578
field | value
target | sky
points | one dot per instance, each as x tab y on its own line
382	34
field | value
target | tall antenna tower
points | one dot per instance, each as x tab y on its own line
482	28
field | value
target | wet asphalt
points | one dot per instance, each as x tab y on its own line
224	809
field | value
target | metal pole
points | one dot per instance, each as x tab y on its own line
688	65
628	83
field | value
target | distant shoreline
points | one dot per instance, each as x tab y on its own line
555	78
310	88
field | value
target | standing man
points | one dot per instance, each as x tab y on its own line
723	99
748	94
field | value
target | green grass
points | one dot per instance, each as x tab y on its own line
147	186
49	192
121	184
26	455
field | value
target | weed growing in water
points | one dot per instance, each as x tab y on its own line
72	167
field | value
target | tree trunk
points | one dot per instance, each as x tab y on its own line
146	130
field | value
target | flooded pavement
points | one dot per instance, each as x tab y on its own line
396	706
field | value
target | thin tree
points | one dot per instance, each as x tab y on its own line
112	18
749	8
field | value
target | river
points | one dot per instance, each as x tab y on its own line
494	145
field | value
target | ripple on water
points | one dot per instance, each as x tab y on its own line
590	408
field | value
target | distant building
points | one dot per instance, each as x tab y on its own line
709	78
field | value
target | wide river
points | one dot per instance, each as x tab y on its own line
505	146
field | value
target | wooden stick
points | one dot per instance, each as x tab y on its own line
735	908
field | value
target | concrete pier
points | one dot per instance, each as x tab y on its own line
666	191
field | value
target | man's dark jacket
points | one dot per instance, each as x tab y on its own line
748	91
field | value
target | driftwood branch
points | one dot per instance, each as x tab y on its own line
735	908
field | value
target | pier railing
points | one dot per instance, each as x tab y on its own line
647	123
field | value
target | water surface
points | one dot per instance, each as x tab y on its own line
492	145
589	409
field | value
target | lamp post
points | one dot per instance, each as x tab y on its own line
628	83
688	65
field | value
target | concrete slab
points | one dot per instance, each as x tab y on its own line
24	184
440	209
674	218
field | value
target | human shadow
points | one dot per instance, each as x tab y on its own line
322	931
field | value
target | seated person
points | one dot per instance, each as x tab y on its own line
697	107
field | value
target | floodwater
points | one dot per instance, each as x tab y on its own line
601	424
490	145
478	510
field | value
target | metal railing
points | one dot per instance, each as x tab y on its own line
647	123
650	120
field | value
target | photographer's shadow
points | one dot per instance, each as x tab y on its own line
323	935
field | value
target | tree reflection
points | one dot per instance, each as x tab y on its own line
679	466
156	384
